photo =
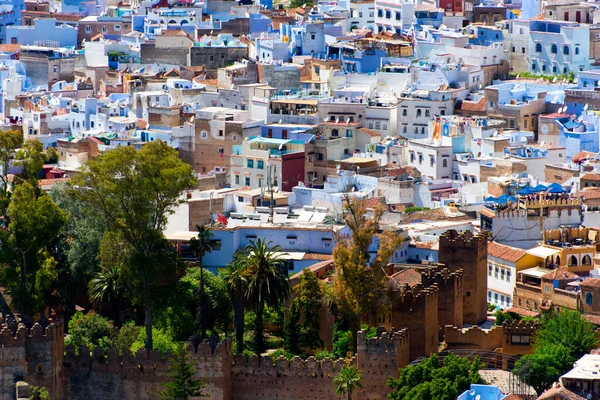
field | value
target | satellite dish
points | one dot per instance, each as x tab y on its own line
586	107
560	110
554	80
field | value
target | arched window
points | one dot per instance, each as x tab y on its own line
576	50
573	261
538	47
589	298
566	50
444	162
586	260
554	49
558	260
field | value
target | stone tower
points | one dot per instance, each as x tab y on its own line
468	252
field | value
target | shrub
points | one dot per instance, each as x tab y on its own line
91	330
160	340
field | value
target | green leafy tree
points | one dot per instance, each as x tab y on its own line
26	247
91	330
39	393
291	332
51	155
561	340
267	283
236	283
79	247
177	315
30	158
201	246
10	141
126	336
182	372
347	381
360	280
136	191
105	288
302	324
432	380
163	342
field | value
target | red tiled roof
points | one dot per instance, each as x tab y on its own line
590	282
504	252
373	202
410	276
559	392
370	132
512	397
594	319
9	48
316	256
560	274
554	115
173	32
583	155
478	106
590	177
523	312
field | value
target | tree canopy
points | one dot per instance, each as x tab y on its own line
136	191
432	380
560	341
360	280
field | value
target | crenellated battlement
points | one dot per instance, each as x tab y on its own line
522	327
466	240
441	275
110	359
34	334
417	293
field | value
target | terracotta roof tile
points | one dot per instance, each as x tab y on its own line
370	132
316	256
478	106
554	115
173	32
523	312
410	276
594	319
373	202
590	282
9	48
560	274
512	397
583	155
590	177
559	392
504	252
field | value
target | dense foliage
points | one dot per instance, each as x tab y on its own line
561	340
433	380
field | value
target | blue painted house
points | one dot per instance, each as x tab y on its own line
579	133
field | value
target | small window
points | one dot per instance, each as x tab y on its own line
247	181
538	47
104	29
117	27
313	36
204	134
88	29
237	179
260	164
589	298
566	50
215	245
250	163
554	49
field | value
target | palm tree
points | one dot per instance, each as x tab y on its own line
235	282
200	245
267	283
105	289
347	380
